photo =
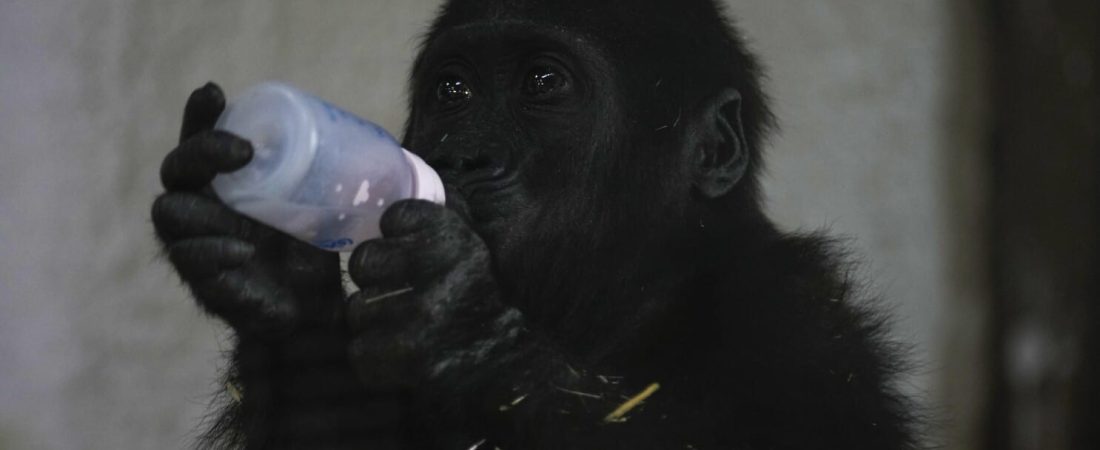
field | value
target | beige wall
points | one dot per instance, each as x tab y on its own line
99	346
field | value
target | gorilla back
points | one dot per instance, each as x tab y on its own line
603	275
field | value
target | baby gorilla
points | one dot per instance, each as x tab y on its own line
602	276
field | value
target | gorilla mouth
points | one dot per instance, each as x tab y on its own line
477	195
482	184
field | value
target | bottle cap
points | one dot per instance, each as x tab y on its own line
426	183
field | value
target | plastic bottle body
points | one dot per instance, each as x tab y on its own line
318	173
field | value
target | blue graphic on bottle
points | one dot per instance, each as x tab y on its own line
336	114
334	244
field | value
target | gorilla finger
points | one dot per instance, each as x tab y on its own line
408	260
382	309
250	303
183	215
196	161
410	216
205	257
203	108
381	262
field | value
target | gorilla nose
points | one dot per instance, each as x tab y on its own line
470	174
464	159
467	168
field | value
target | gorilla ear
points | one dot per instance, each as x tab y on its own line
721	152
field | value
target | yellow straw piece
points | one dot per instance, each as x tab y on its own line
234	393
618	413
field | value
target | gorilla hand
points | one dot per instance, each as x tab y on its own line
430	319
283	298
429	309
250	275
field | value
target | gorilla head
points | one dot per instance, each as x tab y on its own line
582	135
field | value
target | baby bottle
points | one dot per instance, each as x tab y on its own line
317	173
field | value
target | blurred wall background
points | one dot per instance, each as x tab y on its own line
883	140
1045	388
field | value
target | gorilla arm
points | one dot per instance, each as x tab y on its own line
430	319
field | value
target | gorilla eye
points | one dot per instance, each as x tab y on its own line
453	92
544	81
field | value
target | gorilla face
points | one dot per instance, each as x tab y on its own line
506	112
512	117
540	141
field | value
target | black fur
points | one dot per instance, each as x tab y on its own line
602	236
